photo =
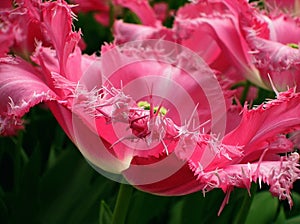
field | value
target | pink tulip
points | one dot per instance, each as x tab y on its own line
154	112
274	53
235	39
21	28
211	29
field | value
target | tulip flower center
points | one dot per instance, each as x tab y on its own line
293	45
153	127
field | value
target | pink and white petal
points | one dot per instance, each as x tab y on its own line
46	58
210	7
53	13
20	89
84	64
270	149
61	35
279	175
284	24
258	134
25	25
280	61
97	150
226	35
266	121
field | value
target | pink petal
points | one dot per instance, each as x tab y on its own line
102	18
6	38
7	4
270	50
100	8
125	32
279	61
23	25
279	175
268	120
61	34
180	183
216	36
48	60
233	117
20	89
161	10
288	6
90	5
283	24
142	9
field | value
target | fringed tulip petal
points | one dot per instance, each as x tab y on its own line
20	89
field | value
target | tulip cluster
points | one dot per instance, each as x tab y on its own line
174	103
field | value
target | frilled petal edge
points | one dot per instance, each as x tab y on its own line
20	89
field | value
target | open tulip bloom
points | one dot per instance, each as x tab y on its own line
157	109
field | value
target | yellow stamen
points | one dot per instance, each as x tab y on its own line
146	106
293	45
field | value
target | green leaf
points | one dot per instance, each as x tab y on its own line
131	17
146	208
200	209
94	33
245	205
3	208
70	190
86	209
176	4
281	216
295	211
294	220
263	209
62	185
176	213
25	203
105	216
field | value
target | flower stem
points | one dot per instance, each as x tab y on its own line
18	161
245	206
245	92
122	204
